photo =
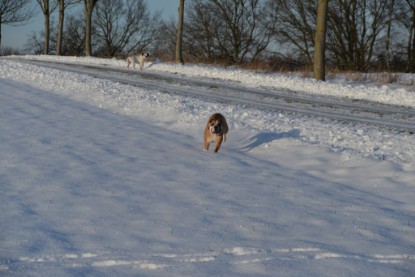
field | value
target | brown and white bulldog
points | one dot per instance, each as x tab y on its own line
215	131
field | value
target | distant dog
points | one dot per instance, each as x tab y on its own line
215	131
137	59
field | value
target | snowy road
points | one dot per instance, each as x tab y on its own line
341	109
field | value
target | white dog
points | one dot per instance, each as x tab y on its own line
137	59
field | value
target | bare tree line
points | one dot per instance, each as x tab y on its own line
14	13
359	34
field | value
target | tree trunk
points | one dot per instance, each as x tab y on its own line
413	44
88	46
1	51
320	41
47	31
388	35
408	51
179	37
60	27
89	7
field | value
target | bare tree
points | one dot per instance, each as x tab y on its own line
179	35
34	44
201	26
14	12
124	26
388	34
294	27
231	30
89	6
354	30
74	40
411	40
243	32
63	5
47	9
163	46
320	41
354	27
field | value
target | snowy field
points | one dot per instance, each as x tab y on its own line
100	178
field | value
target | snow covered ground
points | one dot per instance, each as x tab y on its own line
100	178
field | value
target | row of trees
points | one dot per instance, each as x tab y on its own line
358	34
105	28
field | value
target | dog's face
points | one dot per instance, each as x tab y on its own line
215	126
145	54
215	130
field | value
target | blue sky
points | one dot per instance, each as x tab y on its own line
16	36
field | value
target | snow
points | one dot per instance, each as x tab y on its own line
100	178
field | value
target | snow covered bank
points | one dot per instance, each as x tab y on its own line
104	179
350	140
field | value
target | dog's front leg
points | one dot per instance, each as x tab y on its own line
218	142
206	145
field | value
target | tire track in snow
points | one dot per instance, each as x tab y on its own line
232	256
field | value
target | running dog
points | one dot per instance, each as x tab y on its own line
137	59
215	131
